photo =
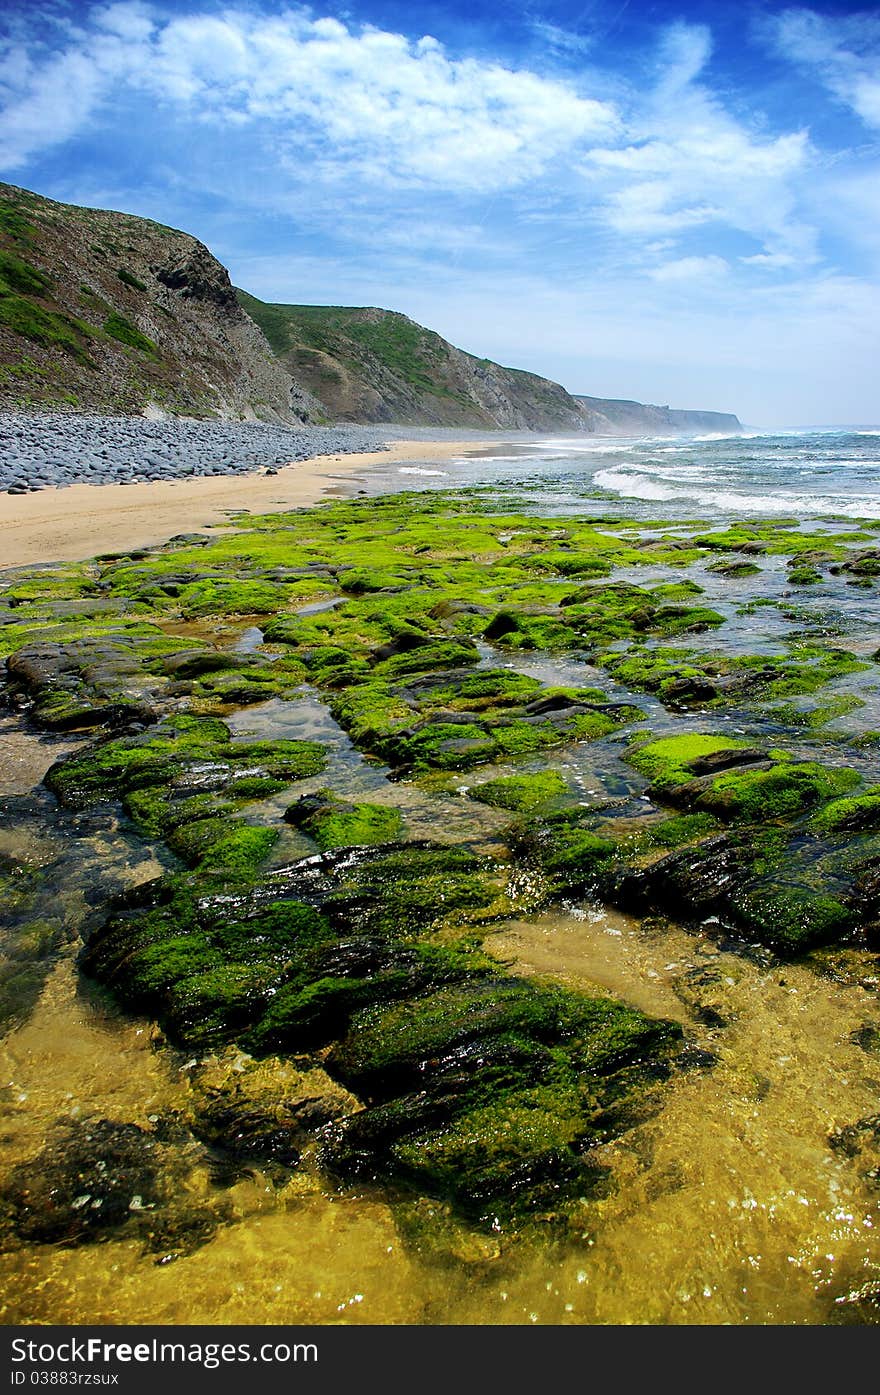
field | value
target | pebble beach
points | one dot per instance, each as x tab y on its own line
44	451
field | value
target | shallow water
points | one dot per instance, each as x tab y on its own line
806	474
726	1206
729	1205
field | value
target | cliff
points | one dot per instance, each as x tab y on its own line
372	365
618	417
102	311
107	312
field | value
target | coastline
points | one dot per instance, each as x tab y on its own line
83	520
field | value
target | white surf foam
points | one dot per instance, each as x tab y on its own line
637	486
563	446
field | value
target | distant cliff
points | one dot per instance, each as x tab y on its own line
621	418
371	365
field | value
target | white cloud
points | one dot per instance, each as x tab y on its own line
688	163
128	20
691	269
325	101
396	109
566	41
529	218
843	53
771	261
685	50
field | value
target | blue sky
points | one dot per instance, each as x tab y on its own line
674	202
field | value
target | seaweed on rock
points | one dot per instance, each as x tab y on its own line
370	1028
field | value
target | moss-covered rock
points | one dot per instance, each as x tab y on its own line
804	575
83	683
734	571
223	845
334	823
674	760
364	961
522	1080
572	856
791	918
541	792
183	755
860	811
783	792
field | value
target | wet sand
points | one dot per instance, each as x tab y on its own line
68	525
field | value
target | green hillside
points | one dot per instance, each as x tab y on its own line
367	364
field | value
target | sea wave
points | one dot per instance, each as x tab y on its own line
417	470
580	447
485	459
629	485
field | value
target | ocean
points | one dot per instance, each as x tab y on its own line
817	472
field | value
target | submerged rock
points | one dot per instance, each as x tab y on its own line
99	1180
266	1110
493	1092
422	1028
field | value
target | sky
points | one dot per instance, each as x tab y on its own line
678	203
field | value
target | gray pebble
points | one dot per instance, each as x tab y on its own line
45	449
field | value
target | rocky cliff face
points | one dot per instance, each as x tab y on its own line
621	418
103	311
371	365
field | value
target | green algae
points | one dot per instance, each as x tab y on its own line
413	888
816	717
680	829
681	677
861	811
668	762
537	1072
180	746
791	919
228	597
645	837
223	845
177	961
523	794
334	823
762	786
810	667
734	570
784	792
535	1137
571	856
516	630
603	614
373	956
488	689
804	576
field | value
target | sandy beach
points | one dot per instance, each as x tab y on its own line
83	520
